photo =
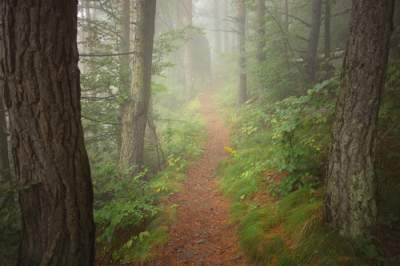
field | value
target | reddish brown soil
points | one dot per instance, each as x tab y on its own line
203	234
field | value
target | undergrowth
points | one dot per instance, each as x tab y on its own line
131	213
274	178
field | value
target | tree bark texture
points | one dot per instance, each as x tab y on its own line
124	60
241	9
261	41
5	173
42	94
351	180
312	54
137	108
125	38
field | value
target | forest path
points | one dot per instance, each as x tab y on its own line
203	234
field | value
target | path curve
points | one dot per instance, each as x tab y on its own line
203	235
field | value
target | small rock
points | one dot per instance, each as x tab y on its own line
201	241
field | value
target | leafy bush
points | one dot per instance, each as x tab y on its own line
129	211
273	177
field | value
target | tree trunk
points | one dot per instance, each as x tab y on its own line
312	54
217	27
286	40
351	180
42	90
124	71
327	25
226	24
188	53
329	68
5	175
260	18
242	95
134	123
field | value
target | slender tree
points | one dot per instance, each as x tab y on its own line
135	120
261	41
217	26
124	60
327	27
125	38
187	6
226	26
312	54
241	18
351	179
42	92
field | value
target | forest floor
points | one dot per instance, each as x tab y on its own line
203	234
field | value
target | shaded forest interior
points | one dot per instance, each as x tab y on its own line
199	132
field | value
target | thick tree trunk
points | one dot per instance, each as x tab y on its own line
134	123
312	54
5	174
351	183
261	42
43	98
241	9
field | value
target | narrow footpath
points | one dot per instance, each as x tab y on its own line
203	234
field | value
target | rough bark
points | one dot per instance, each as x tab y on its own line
312	54
137	107
124	60
5	174
42	94
124	72
241	18
260	21
351	180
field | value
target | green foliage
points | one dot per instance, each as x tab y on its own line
273	178
290	136
129	211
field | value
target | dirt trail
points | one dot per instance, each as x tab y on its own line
203	234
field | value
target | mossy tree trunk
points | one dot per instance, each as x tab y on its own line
137	108
42	94
351	179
